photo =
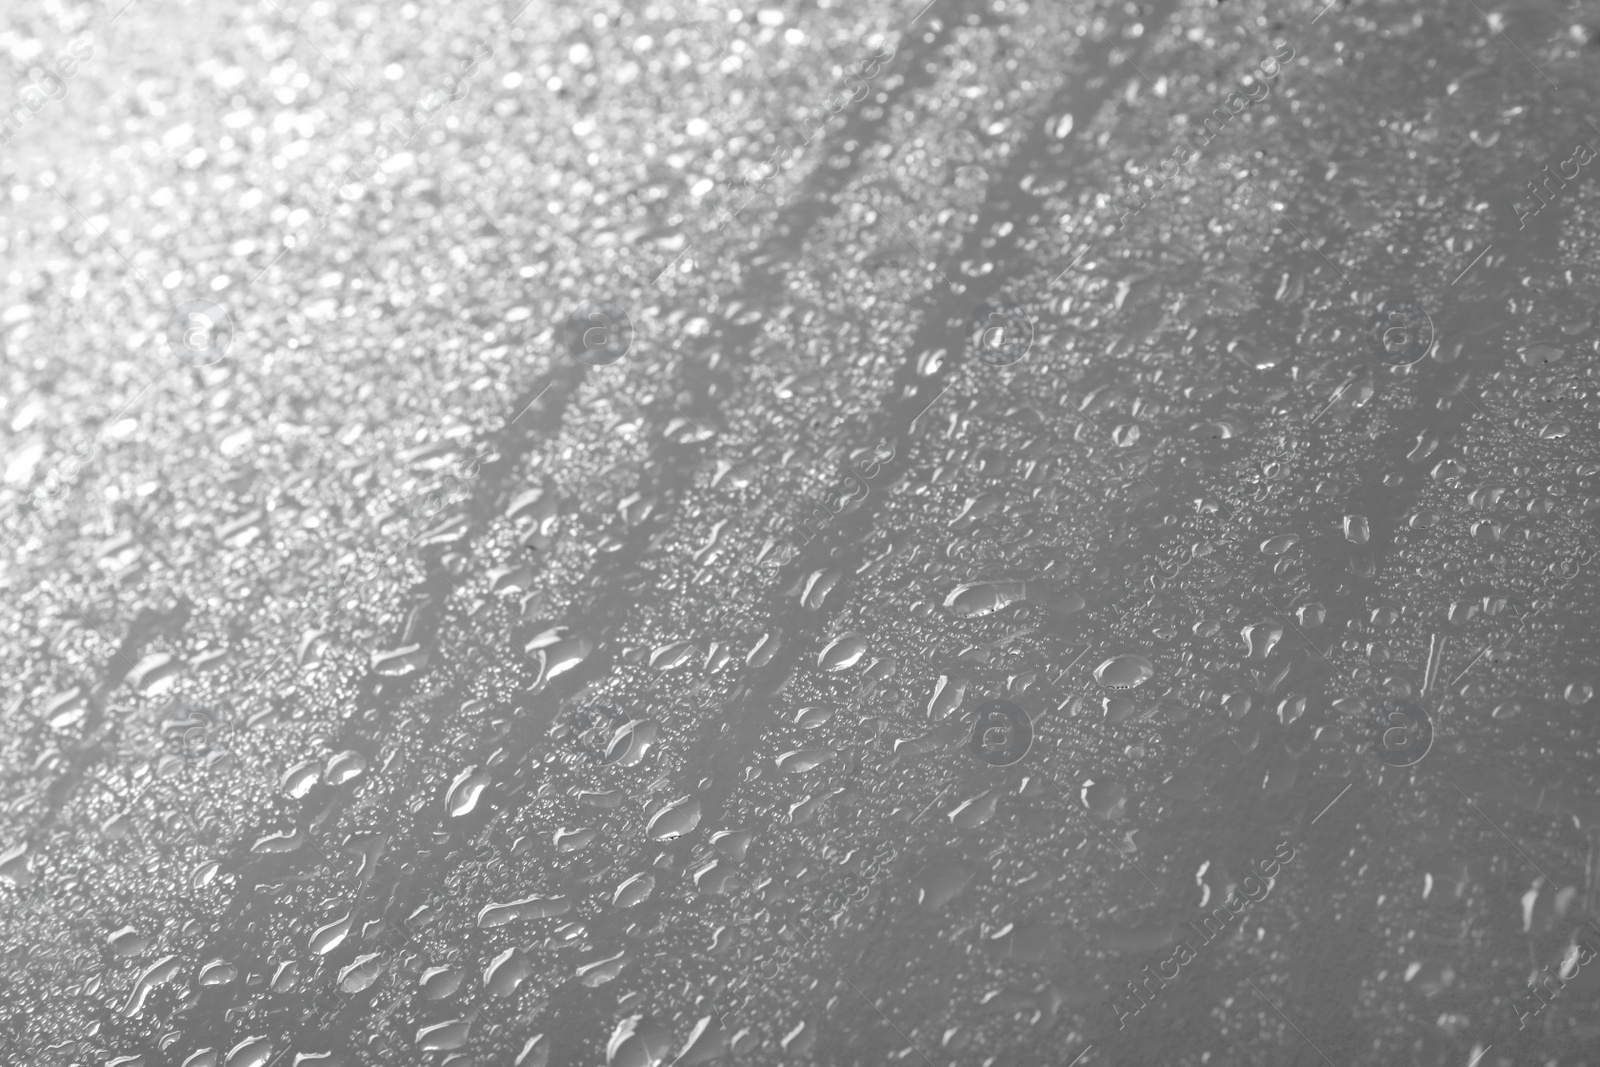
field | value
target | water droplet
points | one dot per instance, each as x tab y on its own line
506	972
974	812
801	760
156	673
983	598
765	648
442	1037
329	937
634	890
464	792
1261	638
632	742
1541	354
816	715
842	652
361	973
1106	800
598	973
676	819
251	1052
218	972
676	654
1124	672
574	839
283	841
706	1042
158	973
300	779
399	662
638	1042
535	1053
941	882
128	942
946	698
344	766
534	907
1277	546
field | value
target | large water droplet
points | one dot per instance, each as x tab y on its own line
801	760
842	652
506	972
128	942
946	698
344	766
329	937
534	907
158	973
465	790
598	973
399	662
251	1052
300	779
676	819
638	1042
1124	672
441	1037
361	973
634	890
